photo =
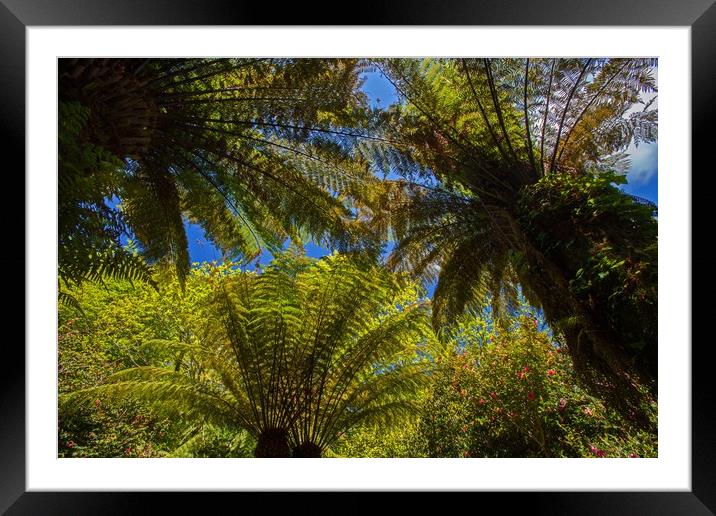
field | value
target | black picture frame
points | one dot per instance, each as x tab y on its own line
16	15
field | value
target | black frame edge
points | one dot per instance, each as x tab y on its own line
703	107
368	12
12	381
699	14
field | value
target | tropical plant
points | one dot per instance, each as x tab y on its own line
484	147
510	391
295	355
249	149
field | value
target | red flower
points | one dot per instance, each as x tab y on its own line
633	456
562	404
551	372
70	444
463	392
97	403
558	350
464	428
482	401
530	395
596	451
521	375
493	395
525	369
466	454
128	451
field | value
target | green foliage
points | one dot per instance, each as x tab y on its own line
397	441
102	428
89	229
605	241
117	430
510	391
208	441
311	347
123	325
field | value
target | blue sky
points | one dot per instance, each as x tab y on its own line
642	176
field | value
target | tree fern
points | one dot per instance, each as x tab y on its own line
475	136
250	149
294	355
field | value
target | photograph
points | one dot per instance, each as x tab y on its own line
358	257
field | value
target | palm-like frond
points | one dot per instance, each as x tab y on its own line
253	150
310	340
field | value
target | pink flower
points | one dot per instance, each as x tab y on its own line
521	375
70	444
551	372
562	404
97	403
587	411
482	401
633	456
493	395
530	395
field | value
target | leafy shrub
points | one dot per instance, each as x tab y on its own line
510	391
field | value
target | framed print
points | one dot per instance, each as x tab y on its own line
56	53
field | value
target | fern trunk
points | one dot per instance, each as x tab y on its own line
602	362
307	450
123	111
273	443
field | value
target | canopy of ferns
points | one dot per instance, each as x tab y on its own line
249	149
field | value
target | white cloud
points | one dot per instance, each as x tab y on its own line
644	162
644	159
